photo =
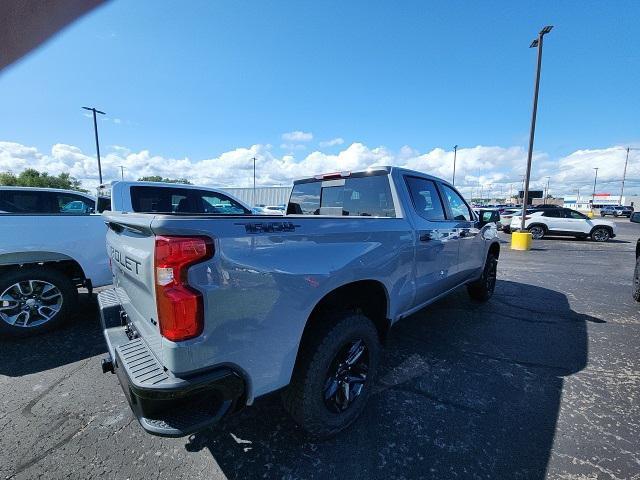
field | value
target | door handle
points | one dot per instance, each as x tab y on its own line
425	236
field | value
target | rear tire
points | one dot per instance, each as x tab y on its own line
537	231
34	300
600	234
482	289
309	399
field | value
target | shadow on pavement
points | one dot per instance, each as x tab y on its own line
79	338
465	391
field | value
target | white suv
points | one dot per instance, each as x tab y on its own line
564	221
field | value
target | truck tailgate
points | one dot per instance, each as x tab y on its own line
130	245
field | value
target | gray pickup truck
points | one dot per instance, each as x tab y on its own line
213	307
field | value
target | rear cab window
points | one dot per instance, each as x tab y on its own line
359	196
171	200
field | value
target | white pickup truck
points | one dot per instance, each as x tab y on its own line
51	243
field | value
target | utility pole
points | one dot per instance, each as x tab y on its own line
624	175
254	181
95	129
593	195
455	154
547	192
536	43
121	172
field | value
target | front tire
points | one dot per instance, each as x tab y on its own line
482	289
600	234
34	300
334	375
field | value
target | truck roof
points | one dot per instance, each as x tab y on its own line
377	169
45	189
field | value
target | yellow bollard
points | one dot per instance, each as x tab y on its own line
590	214
521	241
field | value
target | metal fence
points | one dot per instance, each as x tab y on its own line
263	195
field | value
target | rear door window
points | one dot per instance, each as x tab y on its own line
24	202
368	196
149	199
425	198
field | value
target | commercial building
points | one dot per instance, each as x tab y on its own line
583	202
261	195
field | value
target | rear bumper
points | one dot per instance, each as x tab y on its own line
164	404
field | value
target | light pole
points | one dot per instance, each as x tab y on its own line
593	195
547	194
95	130
254	181
536	43
624	175
455	154
121	172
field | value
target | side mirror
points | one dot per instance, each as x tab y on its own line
635	217
488	216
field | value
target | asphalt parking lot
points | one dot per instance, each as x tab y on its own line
542	381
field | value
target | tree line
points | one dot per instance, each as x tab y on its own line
33	178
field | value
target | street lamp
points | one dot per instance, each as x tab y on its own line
455	154
593	195
95	130
536	43
254	181
624	175
547	193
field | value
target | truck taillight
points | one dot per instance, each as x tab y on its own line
180	308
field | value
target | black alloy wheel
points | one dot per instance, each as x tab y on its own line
346	376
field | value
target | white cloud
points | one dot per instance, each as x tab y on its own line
293	146
332	143
297	136
495	169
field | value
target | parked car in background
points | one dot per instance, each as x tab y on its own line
507	215
635	218
489	215
564	221
268	210
209	312
50	245
616	211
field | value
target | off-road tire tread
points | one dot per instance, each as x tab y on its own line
325	339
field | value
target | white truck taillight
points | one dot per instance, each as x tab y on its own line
180	308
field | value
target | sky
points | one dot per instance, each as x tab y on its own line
311	87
